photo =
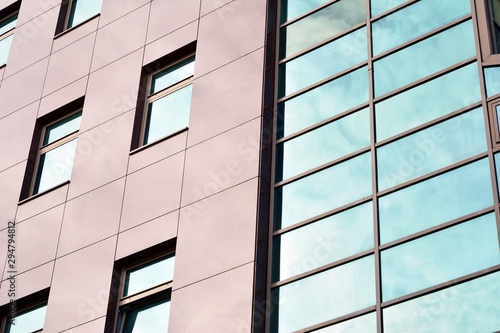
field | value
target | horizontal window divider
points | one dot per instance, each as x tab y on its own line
496	150
322	216
145	293
322	123
493	98
429	124
322	43
425	79
433	174
422	37
338	320
312	11
393	10
319	83
323	167
59	142
323	268
170	89
441	286
440	227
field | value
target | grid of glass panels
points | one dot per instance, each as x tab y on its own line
385	178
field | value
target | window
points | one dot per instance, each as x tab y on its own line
56	152
144	296
28	321
75	12
495	24
7	25
168	100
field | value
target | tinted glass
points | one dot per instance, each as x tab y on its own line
325	241
428	101
62	128
324	144
82	10
8	23
415	20
29	321
4	49
492	80
424	58
55	166
431	149
168	114
293	8
149	275
172	75
325	190
327	295
150	318
363	324
381	6
469	307
317	27
323	102
323	62
440	257
435	201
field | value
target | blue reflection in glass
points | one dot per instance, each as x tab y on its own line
428	101
431	149
440	257
149	275
324	144
497	167
317	27
424	58
380	6
323	62
293	8
31	320
323	102
325	241
435	201
172	75
415	20
82	10
327	295
149	318
325	190
363	324
62	128
468	307
5	48
492	80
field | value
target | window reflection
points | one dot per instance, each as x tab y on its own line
363	324
149	318
149	275
293	8
381	6
492	80
31	320
81	10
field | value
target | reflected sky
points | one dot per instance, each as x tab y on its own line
428	101
424	58
435	201
497	167
8	23
325	144
328	22
410	22
363	324
323	62
381	6
168	114
172	75
431	149
148	319
293	8
325	190
327	295
440	257
325	241
149	275
492	80
29	321
469	307
62	128
4	49
82	10
323	102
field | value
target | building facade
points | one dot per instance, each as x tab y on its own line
250	166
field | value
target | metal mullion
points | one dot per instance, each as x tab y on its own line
145	293
338	320
312	11
393	10
7	34
169	90
59	142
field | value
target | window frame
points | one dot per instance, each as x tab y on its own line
488	43
494	121
10	32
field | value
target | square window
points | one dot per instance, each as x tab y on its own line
7	25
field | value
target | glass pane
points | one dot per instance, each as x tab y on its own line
424	58
492	80
497	110
8	23
435	201
381	6
415	20
62	128
323	102
150	318
82	10
324	144
497	167
440	257
328	22
4	49
55	166
468	307
29	321
172	75
149	275
428	101
323	242
323	62
363	324
323	191
168	114
327	295
293	8
431	149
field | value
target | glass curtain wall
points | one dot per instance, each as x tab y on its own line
385	215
